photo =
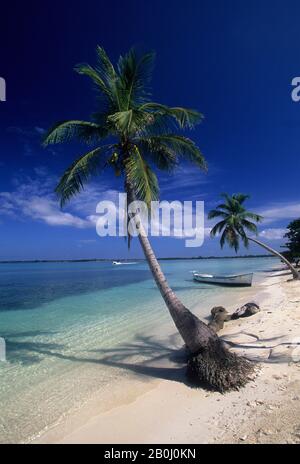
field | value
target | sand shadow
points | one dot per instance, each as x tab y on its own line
259	344
156	359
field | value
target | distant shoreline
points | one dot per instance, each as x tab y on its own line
37	261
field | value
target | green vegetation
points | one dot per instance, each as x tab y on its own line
293	244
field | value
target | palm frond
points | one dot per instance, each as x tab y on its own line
180	146
142	178
242	234
224	206
217	228
249	225
122	120
159	154
67	130
105	68
74	178
135	75
129	122
255	217
186	118
216	213
111	78
88	70
231	237
240	197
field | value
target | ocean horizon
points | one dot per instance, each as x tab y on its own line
110	260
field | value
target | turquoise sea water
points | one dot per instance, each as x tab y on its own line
60	319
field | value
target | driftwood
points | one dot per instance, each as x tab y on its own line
245	311
220	315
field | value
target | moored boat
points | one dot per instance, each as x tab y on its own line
239	280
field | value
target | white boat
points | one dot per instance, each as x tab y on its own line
240	280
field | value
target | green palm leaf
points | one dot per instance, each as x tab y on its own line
216	213
255	217
164	157
122	120
217	228
142	178
74	178
135	75
105	68
129	122
178	145
89	71
240	197
249	225
67	130
185	117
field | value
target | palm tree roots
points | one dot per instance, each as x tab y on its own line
219	368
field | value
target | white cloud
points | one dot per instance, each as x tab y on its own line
39	208
272	234
34	198
46	210
86	202
279	211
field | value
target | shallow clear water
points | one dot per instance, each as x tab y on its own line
60	320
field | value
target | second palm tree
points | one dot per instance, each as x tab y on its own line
235	221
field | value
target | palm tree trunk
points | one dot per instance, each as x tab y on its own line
295	273
210	361
194	332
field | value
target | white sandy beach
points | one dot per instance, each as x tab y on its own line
157	405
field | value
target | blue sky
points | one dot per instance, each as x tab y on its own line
232	60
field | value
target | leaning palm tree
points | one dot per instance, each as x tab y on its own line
235	223
134	136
